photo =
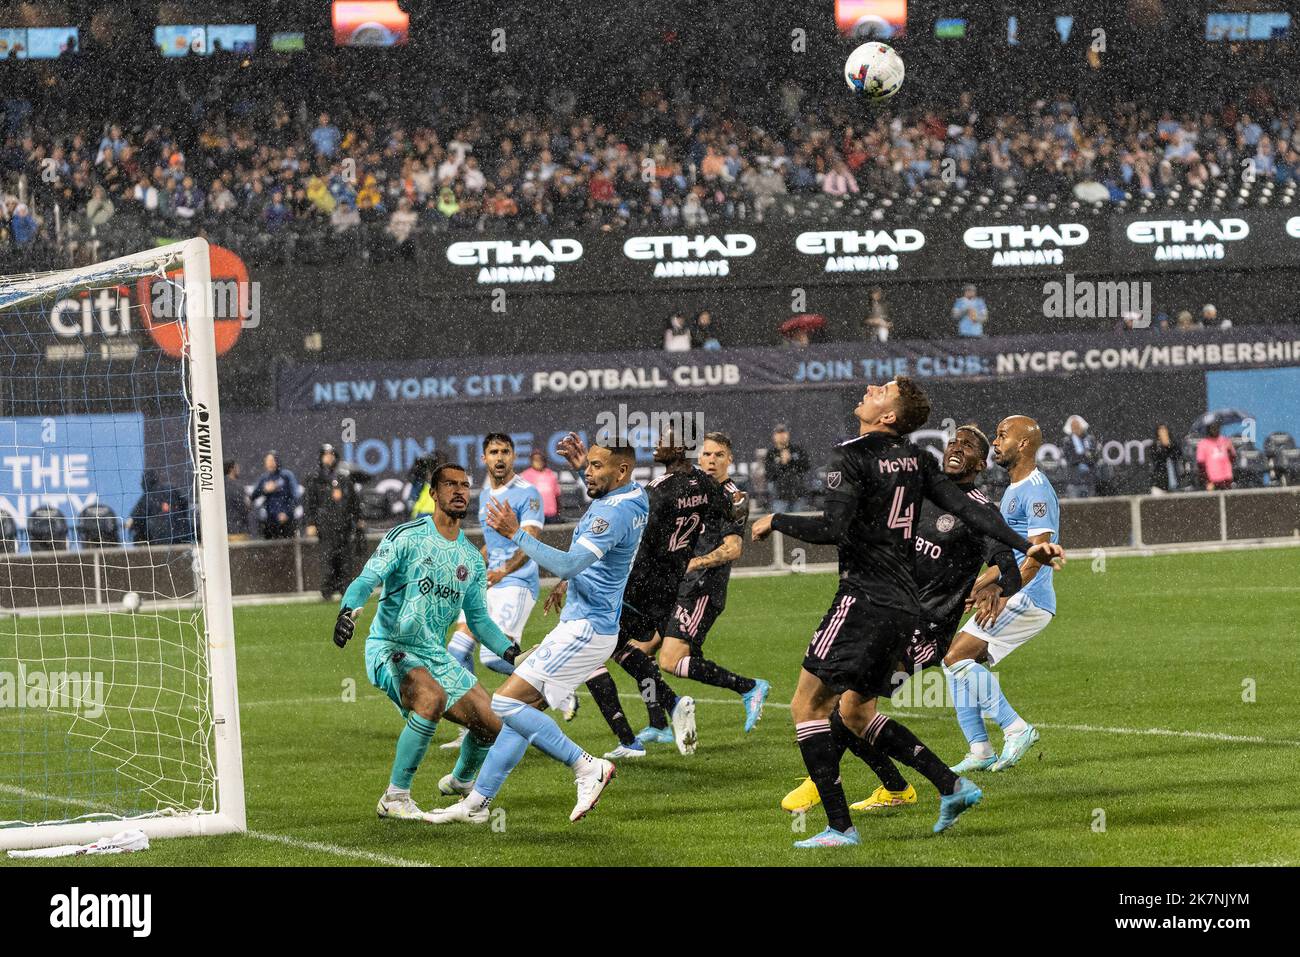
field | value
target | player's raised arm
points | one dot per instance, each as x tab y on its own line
723	511
501	517
827	528
943	492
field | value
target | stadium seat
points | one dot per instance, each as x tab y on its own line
1286	466
1252	467
47	529
8	534
382	508
97	527
1276	442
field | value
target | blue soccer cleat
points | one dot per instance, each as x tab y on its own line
831	838
972	763
654	735
952	805
754	699
1015	747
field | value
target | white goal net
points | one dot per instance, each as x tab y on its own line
117	683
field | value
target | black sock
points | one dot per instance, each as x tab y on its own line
876	759
821	755
711	673
658	697
902	745
605	693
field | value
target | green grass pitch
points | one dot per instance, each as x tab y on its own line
1140	688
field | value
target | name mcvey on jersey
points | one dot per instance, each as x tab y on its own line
523	261
678	256
1177	240
1016	245
871	250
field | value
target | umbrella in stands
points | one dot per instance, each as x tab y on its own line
1224	417
802	327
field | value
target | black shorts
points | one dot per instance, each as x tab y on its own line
928	644
636	625
858	645
691	619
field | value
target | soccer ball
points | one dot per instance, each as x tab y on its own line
874	71
131	601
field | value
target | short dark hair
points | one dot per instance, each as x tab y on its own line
230	465
497	437
620	450
980	437
913	409
436	477
722	438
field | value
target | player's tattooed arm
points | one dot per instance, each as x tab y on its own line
724	554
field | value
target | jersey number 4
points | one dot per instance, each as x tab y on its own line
686	526
900	517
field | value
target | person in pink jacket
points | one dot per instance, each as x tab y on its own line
1215	457
546	482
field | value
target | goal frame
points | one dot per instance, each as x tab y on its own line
213	577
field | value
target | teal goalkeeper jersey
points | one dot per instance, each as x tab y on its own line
426	581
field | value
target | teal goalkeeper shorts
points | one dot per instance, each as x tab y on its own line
388	662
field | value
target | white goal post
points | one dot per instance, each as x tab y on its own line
147	625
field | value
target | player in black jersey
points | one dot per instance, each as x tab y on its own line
684	501
948	557
700	600
874	487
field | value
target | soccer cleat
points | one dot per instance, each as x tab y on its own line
570	707
455	743
448	786
832	838
1015	747
653	735
401	808
684	725
883	797
952	805
973	763
459	813
590	786
754	699
634	750
803	798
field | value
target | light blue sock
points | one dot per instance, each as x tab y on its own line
411	745
494	661
461	647
998	707
966	700
538	728
506	752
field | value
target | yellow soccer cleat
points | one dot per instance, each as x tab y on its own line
883	797
804	798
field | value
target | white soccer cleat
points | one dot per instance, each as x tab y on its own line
449	786
570	707
402	808
590	785
684	725
454	745
458	813
634	750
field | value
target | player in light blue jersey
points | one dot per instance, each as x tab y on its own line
1001	625
512	575
429	571
596	567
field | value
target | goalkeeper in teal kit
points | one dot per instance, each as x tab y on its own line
429	572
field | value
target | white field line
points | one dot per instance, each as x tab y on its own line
944	714
316	846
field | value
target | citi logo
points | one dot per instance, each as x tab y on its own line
75	910
1022	237
1149	231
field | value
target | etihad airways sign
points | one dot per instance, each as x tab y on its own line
677	257
1020	245
1180	240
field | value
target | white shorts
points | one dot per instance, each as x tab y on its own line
565	659
1020	620
509	606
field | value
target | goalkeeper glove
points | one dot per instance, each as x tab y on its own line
513	652
344	625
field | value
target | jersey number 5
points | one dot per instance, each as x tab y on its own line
900	518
